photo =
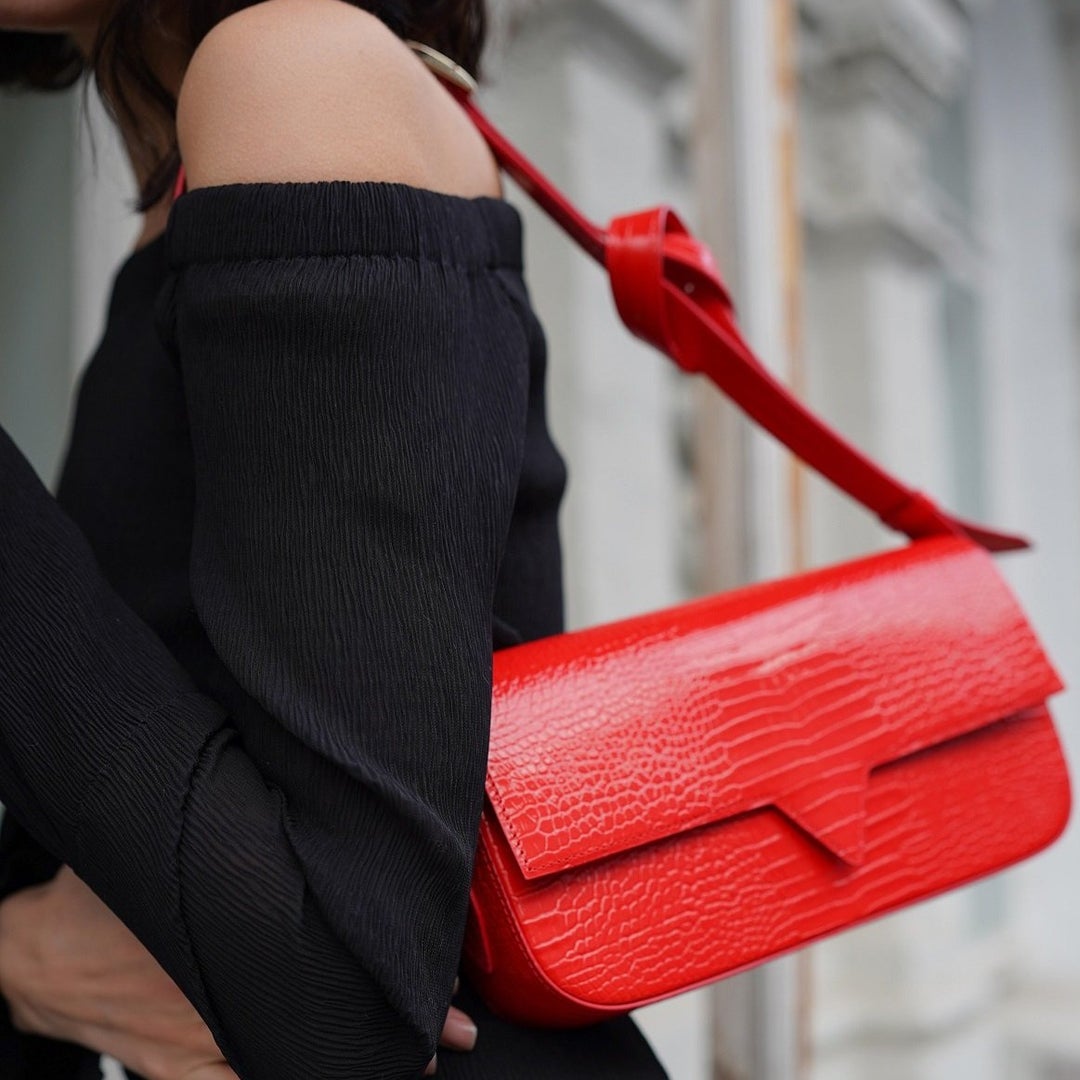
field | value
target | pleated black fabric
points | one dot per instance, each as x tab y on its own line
246	651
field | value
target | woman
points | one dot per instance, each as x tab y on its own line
246	649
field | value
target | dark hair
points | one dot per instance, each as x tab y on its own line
51	61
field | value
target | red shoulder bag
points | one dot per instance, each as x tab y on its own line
681	795
678	796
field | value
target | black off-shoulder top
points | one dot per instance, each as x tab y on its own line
245	651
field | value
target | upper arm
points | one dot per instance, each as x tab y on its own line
302	90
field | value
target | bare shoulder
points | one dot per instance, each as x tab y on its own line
300	90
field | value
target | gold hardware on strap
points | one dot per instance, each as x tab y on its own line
441	64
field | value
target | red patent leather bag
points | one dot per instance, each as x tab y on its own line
681	795
678	796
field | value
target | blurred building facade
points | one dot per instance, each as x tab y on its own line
891	188
938	190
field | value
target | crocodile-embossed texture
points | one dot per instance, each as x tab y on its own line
680	795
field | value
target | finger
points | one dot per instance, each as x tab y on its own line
430	1070
459	1032
457	985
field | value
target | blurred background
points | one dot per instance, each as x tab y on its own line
892	188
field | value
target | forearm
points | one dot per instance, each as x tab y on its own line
123	770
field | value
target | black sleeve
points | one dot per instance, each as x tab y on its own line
297	857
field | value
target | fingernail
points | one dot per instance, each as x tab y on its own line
460	1029
457	984
430	1070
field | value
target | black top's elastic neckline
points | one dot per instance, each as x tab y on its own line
283	219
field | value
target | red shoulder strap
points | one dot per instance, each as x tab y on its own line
668	291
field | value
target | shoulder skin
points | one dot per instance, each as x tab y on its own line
305	90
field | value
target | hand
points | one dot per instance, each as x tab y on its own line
71	970
459	1033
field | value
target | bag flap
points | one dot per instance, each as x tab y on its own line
782	694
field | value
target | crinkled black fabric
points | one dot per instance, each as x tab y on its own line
245	652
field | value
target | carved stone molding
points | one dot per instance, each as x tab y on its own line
864	183
860	48
656	35
650	41
875	76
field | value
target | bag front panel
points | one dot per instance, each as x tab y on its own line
619	933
